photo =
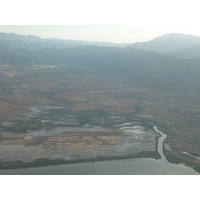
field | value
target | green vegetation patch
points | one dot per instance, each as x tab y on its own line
24	126
91	116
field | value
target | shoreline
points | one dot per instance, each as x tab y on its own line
44	162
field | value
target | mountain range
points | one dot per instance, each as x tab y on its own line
168	57
174	44
31	42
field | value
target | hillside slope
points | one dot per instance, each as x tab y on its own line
141	65
11	56
188	53
168	42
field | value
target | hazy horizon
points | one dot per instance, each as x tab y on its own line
101	33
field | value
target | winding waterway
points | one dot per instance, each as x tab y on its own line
142	166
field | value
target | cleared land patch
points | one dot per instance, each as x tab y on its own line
81	96
76	144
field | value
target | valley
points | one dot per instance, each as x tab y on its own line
66	101
60	112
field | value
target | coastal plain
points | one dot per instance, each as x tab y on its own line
65	113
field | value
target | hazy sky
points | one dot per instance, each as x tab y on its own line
106	20
110	33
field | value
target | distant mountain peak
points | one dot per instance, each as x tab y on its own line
168	42
18	37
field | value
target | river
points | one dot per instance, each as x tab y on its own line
141	166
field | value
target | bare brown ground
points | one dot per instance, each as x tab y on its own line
85	106
112	105
79	140
82	96
85	140
18	147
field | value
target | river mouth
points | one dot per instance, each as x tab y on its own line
171	169
160	143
